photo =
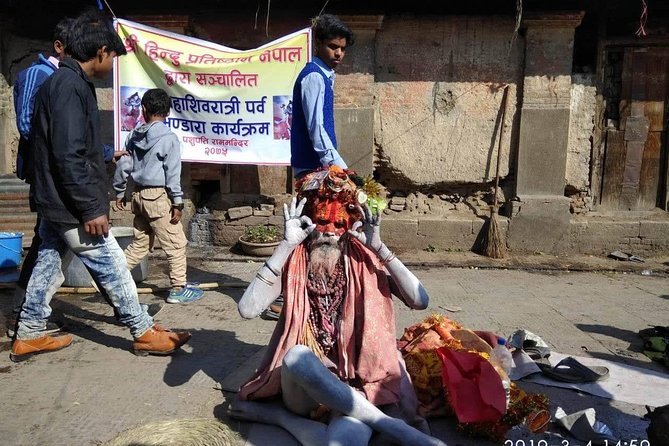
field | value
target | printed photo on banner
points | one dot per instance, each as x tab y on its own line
227	106
283	116
131	107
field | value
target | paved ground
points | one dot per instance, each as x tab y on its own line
95	389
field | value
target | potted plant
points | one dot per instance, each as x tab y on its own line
260	240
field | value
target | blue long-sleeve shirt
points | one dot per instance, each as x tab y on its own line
27	83
26	86
313	96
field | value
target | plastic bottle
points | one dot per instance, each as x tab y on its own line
501	359
502	356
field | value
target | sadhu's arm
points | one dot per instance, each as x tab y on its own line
266	286
403	283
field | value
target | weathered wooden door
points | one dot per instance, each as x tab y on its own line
635	165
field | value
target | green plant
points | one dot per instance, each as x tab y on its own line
430	248
261	234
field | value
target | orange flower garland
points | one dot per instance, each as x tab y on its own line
418	345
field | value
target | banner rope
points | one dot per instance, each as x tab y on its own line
323	8
643	19
109	7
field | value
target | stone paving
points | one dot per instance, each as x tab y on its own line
95	389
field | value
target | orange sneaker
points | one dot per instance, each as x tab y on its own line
23	349
159	341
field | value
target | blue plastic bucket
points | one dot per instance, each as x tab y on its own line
11	249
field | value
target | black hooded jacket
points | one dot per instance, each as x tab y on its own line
67	170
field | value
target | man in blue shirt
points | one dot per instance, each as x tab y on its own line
312	139
27	84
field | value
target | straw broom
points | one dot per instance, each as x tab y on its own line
494	245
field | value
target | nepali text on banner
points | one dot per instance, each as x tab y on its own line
228	106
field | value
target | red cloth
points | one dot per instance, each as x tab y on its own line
366	340
475	389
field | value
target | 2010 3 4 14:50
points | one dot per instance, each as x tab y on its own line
634	442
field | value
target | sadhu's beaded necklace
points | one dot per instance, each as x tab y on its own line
326	294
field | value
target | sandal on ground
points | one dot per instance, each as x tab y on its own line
277	305
623	256
537	353
270	315
273	312
571	371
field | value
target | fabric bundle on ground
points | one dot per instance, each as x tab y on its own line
450	370
656	344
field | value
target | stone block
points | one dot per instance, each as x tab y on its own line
263	213
267	207
654	229
658	245
396	207
219	215
600	237
541	225
273	179
280	200
448	233
199	230
401	234
249	221
240	212
542	151
120	218
225	235
611	230
242	179
277	220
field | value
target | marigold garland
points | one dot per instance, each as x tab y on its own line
418	345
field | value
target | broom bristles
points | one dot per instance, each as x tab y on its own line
494	245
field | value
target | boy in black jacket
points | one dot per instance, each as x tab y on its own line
69	183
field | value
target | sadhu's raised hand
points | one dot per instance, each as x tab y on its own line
367	229
297	226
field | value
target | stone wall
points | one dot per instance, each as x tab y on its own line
581	127
9	136
439	86
425	92
226	227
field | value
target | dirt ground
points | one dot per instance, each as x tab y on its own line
88	393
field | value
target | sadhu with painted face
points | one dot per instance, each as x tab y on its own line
332	373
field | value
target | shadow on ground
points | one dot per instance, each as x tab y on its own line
635	345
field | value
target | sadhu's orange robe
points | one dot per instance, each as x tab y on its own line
366	345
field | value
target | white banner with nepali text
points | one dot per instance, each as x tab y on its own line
228	106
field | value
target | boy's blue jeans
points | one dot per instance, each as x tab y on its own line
103	258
